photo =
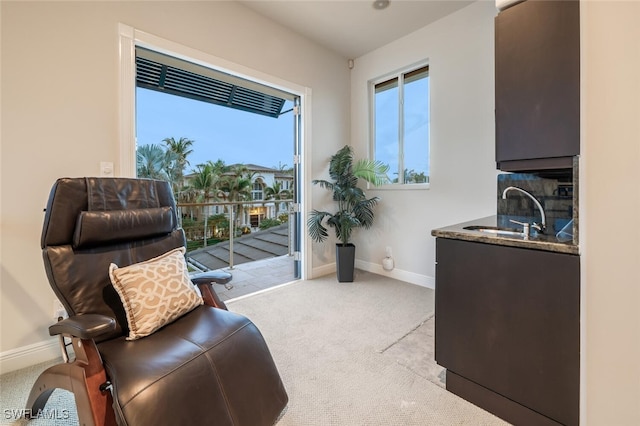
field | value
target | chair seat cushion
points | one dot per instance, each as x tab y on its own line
206	352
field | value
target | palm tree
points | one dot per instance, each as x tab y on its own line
205	180
353	208
411	176
154	162
187	195
182	149
208	177
236	186
219	225
283	167
275	191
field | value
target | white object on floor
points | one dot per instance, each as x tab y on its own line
503	4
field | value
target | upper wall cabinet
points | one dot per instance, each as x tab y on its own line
537	70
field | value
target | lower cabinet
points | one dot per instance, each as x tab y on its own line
508	329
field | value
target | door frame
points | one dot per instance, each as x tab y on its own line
129	38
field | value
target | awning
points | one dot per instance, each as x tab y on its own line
167	74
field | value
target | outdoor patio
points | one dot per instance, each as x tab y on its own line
255	276
258	245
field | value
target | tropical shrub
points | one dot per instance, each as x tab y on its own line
269	223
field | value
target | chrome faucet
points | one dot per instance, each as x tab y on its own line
540	228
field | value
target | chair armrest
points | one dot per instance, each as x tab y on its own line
218	277
205	282
87	326
209	295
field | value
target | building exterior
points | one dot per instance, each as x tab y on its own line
271	192
262	179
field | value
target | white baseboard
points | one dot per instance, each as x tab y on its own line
398	274
29	355
323	270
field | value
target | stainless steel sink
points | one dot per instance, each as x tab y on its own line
495	230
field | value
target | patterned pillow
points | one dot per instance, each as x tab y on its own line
154	292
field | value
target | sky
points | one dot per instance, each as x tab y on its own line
416	127
236	136
218	132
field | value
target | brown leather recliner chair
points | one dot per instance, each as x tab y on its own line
209	366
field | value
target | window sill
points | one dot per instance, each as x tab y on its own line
400	187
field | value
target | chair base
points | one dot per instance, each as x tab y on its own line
82	377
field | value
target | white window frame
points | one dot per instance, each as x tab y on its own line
257	190
399	74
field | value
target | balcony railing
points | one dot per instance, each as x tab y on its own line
219	225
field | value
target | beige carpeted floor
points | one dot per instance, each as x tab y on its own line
356	353
346	353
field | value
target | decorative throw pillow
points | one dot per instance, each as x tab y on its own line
155	292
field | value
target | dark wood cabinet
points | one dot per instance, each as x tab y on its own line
537	87
507	329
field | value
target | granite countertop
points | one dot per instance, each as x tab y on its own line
538	242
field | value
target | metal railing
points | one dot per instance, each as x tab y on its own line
200	224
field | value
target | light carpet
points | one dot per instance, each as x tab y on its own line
356	353
344	351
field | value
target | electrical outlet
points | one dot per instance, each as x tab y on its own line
106	169
58	310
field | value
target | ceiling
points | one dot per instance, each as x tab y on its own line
353	27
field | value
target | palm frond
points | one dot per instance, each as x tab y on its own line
364	211
323	184
317	231
340	163
343	223
372	171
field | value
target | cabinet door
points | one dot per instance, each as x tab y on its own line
537	59
508	319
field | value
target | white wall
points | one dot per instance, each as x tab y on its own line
610	207
460	50
60	111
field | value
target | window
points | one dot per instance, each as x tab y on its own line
400	125
257	192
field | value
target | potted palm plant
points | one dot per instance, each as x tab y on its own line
354	209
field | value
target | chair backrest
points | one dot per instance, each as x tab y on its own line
92	222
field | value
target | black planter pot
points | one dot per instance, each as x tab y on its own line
345	261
